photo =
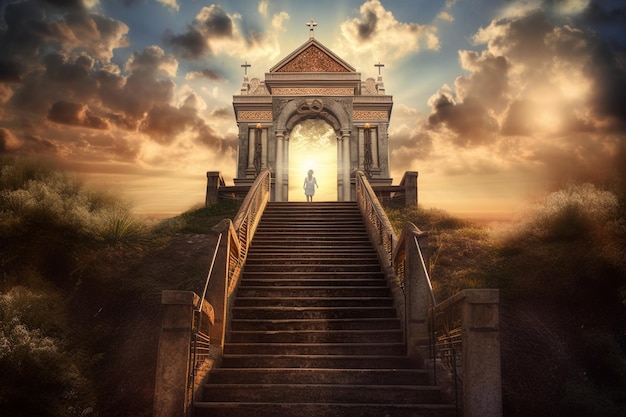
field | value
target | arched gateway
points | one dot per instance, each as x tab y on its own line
313	83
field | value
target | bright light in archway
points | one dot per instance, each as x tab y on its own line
313	145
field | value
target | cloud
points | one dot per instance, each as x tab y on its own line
378	35
279	19
263	4
215	32
539	100
172	4
8	142
209	74
76	115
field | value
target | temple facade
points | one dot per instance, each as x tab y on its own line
313	83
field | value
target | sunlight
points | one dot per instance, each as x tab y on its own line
312	145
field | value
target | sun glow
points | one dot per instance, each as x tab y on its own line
312	145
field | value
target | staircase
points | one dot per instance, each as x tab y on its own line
314	330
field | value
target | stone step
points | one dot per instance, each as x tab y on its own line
312	291
323	393
316	361
314	330
320	376
316	336
317	251
363	349
302	302
251	281
311	312
313	276
308	260
315	324
265	409
327	267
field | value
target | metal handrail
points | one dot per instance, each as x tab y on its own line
201	341
247	219
377	220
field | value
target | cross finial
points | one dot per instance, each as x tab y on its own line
379	65
311	24
245	67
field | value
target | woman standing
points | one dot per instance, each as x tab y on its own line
309	186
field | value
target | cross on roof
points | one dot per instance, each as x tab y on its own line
311	24
245	67
379	65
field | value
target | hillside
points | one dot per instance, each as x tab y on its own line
81	279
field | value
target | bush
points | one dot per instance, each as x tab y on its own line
33	360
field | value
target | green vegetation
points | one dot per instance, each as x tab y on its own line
561	271
81	278
80	283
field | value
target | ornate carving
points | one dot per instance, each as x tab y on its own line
254	115
310	106
370	88
368	115
345	91
313	59
257	88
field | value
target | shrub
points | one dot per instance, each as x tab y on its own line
33	360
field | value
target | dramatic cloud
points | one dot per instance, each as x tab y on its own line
377	33
213	32
555	91
75	114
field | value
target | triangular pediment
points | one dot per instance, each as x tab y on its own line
312	56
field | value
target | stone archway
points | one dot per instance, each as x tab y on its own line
312	146
312	82
289	114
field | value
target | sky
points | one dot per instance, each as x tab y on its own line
495	102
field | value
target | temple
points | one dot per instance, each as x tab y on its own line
312	82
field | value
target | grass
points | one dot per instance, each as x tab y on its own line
561	271
81	277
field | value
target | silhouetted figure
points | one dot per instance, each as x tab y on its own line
309	186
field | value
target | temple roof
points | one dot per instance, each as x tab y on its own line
312	56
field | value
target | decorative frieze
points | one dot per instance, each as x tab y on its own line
254	115
368	115
313	59
340	91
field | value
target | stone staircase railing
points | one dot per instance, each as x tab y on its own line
176	381
436	332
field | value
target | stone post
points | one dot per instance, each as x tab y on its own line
278	170
345	174
173	359
217	290
213	183
418	298
482	379
410	188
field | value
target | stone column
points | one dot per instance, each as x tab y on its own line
418	298
345	157
278	171
339	169
482	380
214	181
410	188
173	361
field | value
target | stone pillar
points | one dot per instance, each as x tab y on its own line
345	162
418	298
173	360
482	380
410	188
278	171
214	181
217	291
